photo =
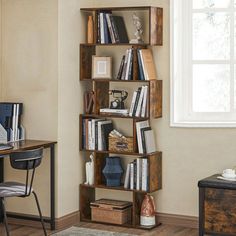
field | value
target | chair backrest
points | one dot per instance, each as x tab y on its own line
27	160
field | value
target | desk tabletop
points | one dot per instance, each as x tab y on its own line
27	144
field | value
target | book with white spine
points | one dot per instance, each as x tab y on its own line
90	134
144	105
102	32
139	125
133	103
127	176
139	174
132	176
128	64
144	174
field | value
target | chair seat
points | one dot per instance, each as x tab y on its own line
12	189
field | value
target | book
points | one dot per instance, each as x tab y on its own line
93	133
127	176
106	30
128	64
90	134
99	137
132	175
125	65
130	69
114	111
132	103
105	130
121	68
108	15
150	141
145	102
139	126
120	29
139	173
148	64
136	101
144	174
140	66
102	32
96	133
143	138
139	105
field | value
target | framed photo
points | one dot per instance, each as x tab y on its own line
101	67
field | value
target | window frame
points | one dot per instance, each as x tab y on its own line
181	112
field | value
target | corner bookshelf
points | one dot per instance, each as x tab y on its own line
101	88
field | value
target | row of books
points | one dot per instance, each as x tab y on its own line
139	102
146	66
95	134
111	29
10	122
136	176
145	137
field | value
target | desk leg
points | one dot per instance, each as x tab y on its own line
201	211
52	185
1	180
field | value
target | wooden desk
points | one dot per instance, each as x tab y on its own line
33	144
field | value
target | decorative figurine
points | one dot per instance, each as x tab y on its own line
139	29
147	215
89	168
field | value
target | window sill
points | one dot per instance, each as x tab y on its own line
184	124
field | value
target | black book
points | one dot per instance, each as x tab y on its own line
136	100
121	68
119	29
140	67
106	129
106	30
143	138
131	65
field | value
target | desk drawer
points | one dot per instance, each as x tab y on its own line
220	211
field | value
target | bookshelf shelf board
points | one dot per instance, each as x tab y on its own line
124	153
117	44
118	8
114	116
117	81
120	188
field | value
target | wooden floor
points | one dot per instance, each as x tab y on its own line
164	230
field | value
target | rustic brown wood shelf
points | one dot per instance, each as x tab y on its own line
101	100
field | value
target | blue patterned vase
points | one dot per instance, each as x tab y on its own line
113	171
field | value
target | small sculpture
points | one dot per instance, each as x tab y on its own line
147	215
139	29
89	168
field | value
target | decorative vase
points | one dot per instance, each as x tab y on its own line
113	171
90	30
147	215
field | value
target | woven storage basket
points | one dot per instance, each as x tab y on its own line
121	144
111	211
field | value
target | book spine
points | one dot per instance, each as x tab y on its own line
102	34
114	30
110	28
98	28
121	68
140	67
106	34
125	65
131	65
143	141
139	106
144	174
90	134
136	101
143	67
128	64
138	176
133	103
132	176
144	105
127	177
86	135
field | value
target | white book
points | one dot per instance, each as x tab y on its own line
144	105
139	174
90	134
139	126
127	176
132	103
13	138
150	141
132	175
3	135
100	123
140	101
128	64
93	132
115	111
17	122
102	33
144	174
113	40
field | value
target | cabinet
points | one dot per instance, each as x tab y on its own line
153	37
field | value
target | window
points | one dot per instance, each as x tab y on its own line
203	63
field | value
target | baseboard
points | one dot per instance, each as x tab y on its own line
60	223
178	220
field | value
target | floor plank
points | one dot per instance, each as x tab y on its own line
163	230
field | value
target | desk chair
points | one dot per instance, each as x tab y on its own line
26	160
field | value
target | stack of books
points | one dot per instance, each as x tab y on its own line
95	134
137	175
145	137
10	122
146	66
111	29
139	103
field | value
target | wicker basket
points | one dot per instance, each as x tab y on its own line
121	144
111	211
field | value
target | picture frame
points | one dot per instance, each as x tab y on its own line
101	67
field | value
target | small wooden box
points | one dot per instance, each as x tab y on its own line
111	211
121	144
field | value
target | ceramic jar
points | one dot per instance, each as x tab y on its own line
147	215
